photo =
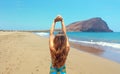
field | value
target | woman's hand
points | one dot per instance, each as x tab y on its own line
58	18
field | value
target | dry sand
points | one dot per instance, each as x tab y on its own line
26	53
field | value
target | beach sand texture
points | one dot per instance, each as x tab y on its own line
26	53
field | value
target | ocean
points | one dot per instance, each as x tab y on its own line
108	41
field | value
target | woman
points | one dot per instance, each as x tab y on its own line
59	48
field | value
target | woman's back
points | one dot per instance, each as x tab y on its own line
61	50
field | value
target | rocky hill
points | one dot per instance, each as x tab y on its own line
91	25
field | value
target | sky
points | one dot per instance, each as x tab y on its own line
39	14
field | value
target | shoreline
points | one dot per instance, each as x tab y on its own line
94	49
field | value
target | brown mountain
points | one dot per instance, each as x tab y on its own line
91	25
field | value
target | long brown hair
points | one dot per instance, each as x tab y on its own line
60	41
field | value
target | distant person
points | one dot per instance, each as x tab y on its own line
59	48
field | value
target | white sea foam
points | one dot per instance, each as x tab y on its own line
114	45
43	34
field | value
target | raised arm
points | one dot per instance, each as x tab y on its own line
51	37
63	26
52	28
64	30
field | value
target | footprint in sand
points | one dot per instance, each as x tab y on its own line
37	68
8	70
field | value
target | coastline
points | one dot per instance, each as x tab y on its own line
24	53
94	48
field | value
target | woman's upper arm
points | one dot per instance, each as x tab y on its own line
68	42
51	38
68	45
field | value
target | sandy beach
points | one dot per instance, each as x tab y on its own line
27	53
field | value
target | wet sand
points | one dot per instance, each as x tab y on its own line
89	49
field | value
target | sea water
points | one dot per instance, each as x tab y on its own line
108	41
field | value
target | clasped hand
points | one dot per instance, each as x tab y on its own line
58	18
